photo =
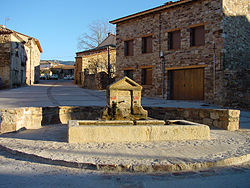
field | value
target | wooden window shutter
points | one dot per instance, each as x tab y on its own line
130	48
169	40
148	79
199	36
176	40
149	45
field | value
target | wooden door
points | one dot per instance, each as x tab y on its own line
188	84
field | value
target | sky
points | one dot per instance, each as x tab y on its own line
57	24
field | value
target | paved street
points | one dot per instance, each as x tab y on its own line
63	92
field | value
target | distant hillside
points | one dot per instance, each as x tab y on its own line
61	62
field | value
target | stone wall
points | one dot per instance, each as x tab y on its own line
220	118
236	52
14	119
91	63
5	59
61	114
97	81
158	24
224	57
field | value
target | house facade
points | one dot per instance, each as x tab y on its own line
19	58
188	50
63	70
90	63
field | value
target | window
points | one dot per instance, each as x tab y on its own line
128	48
128	73
146	76
197	36
174	40
147	44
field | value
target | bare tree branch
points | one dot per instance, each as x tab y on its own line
98	31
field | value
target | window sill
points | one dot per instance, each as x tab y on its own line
177	49
147	53
197	46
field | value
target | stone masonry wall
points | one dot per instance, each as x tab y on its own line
61	114
5	59
95	62
14	119
236	32
220	118
201	12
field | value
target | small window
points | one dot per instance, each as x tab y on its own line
146	76
147	45
197	36
129	73
128	48
174	40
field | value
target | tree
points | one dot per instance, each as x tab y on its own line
98	31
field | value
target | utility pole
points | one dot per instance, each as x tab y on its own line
6	20
109	66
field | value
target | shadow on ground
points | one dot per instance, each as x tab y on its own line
56	133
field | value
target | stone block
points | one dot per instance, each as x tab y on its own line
84	133
180	132
208	121
93	133
149	122
214	115
105	122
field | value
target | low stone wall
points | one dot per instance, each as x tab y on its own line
85	132
17	118
220	118
61	114
13	119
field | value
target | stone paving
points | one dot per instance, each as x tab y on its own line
49	143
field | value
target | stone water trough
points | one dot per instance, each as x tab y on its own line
124	120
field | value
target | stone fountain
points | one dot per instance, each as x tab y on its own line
125	120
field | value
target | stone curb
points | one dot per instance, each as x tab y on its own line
176	167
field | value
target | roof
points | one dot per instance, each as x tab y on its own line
61	66
153	10
109	41
125	84
4	30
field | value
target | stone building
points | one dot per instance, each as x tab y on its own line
188	50
63	70
19	58
91	62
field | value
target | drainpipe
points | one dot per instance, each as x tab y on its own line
163	73
214	68
109	76
30	58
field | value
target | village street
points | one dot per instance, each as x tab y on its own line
65	93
